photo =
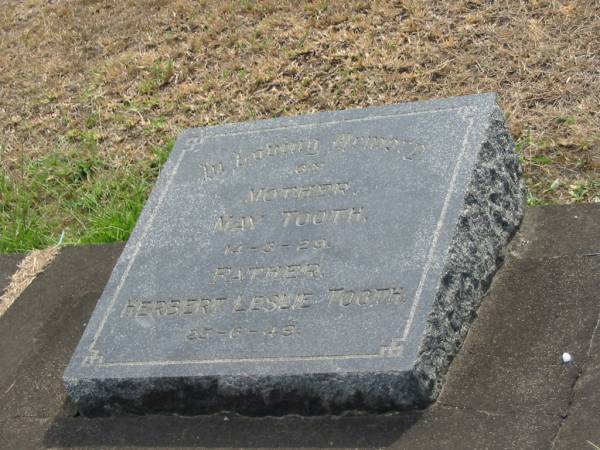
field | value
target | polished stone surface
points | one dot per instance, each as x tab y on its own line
312	264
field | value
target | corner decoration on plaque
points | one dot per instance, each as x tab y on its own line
313	264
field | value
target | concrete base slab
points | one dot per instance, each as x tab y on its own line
582	422
535	311
506	389
559	230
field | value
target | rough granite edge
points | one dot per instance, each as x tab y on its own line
493	208
310	395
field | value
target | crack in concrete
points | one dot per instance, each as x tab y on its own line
574	384
466	408
522	257
490	413
26	416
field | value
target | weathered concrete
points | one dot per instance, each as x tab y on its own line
558	230
8	266
523	354
506	389
581	421
315	264
48	317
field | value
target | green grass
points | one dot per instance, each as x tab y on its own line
159	75
539	159
74	192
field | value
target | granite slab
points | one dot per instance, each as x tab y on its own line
316	264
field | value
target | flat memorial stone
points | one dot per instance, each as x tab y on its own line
312	265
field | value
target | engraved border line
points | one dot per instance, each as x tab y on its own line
336	122
438	230
136	249
234	360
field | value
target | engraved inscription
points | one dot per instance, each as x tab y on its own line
332	216
211	171
93	358
282	272
268	247
232	223
298	192
277	301
204	333
366	297
192	142
274	302
175	307
309	167
313	244
348	142
307	148
270	302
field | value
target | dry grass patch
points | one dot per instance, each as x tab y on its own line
34	263
115	80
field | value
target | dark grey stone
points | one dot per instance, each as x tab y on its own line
315	264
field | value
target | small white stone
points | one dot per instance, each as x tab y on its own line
566	357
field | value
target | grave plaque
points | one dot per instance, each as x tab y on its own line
312	265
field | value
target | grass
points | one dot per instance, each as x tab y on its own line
160	74
74	196
90	90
